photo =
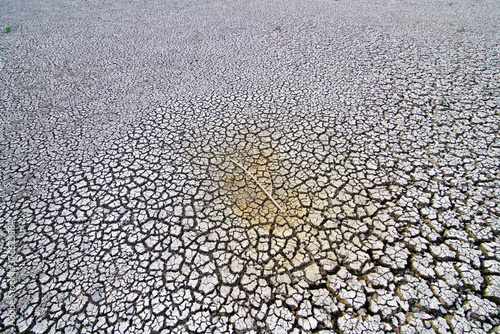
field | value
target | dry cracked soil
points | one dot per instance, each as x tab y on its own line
249	167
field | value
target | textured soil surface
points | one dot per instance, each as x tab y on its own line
226	167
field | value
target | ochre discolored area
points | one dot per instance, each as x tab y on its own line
277	207
250	202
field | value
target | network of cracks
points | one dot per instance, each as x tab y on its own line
216	215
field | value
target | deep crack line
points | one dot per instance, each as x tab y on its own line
258	183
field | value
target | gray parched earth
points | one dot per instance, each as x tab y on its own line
250	167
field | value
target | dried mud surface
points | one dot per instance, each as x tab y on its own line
207	167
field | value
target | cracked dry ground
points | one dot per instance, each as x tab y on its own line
377	222
354	190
